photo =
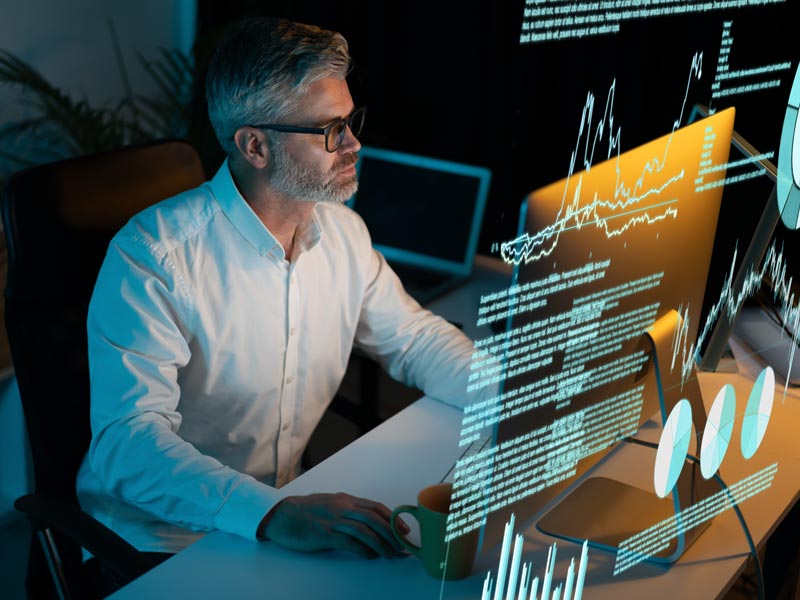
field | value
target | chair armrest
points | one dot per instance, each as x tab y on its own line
48	512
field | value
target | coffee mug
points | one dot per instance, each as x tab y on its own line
432	511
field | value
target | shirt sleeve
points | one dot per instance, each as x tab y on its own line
139	325
412	344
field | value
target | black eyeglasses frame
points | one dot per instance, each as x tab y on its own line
358	113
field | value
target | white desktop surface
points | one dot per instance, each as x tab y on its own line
416	448
390	464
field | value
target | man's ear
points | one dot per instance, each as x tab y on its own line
252	146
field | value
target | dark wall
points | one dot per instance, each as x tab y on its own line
448	79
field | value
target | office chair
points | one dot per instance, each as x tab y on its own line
59	219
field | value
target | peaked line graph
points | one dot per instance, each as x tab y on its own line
527	247
730	302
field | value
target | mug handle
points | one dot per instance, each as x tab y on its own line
412	510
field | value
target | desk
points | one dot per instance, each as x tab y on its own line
417	447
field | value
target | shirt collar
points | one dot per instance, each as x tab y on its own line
246	221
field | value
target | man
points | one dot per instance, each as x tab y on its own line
222	319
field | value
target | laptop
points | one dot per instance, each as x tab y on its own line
424	216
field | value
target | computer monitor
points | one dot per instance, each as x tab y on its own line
757	194
761	263
602	256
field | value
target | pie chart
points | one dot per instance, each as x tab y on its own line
717	434
757	412
672	448
788	191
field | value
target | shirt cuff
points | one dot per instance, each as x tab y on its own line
246	506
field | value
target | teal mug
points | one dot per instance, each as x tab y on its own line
432	510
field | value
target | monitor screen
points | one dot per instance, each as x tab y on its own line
601	257
404	199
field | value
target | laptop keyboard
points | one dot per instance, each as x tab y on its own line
421	279
424	285
469	450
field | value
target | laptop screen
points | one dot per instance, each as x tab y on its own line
421	211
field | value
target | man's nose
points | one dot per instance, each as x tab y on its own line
349	144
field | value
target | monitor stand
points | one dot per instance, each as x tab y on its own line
607	512
727	362
771	342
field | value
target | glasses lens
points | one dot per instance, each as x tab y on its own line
357	121
335	136
338	130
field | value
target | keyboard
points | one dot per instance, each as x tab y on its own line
471	449
424	285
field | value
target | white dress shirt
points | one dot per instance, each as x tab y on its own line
212	359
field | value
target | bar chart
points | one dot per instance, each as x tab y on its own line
514	579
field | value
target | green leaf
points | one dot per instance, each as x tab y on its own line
63	126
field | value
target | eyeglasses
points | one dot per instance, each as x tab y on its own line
334	133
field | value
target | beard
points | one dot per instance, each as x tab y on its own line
305	182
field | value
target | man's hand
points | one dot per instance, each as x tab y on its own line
332	521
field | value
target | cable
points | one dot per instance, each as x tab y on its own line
745	529
759	569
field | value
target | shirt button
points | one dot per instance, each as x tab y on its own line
285	427
291	331
289	379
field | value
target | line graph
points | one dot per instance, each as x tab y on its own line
730	301
627	207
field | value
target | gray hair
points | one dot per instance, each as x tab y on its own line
262	67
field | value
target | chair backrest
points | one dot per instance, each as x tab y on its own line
59	219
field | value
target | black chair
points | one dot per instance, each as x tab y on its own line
59	219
